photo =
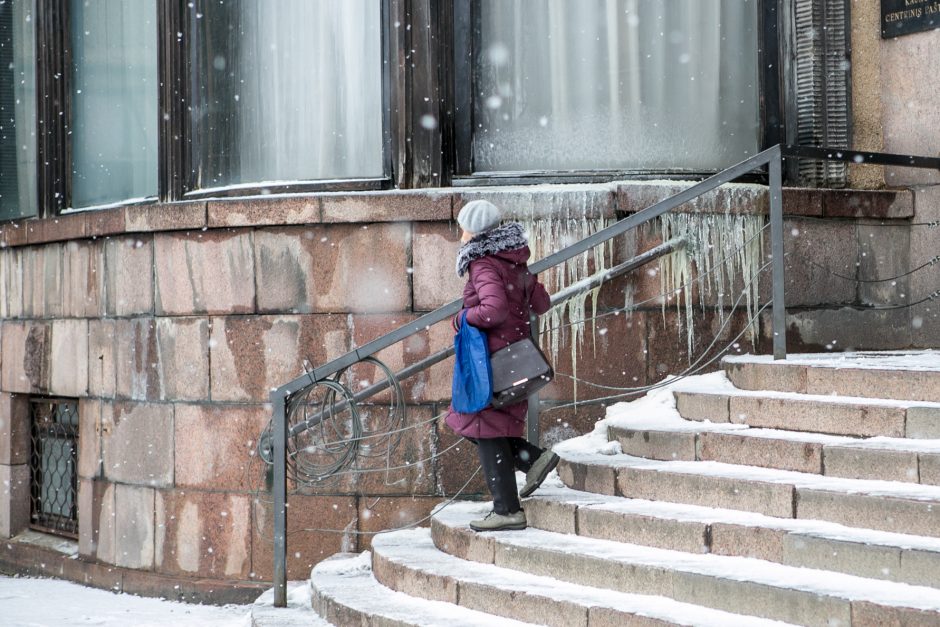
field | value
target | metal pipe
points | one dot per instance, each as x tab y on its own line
279	497
779	322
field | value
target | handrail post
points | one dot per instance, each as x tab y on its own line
779	321
279	494
532	415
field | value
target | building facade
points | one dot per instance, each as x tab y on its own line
201	199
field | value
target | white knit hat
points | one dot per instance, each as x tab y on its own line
478	216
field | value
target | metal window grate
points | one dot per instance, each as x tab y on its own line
53	466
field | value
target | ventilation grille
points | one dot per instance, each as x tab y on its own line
822	86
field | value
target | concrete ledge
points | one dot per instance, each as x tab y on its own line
29	560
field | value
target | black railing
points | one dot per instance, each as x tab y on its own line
273	443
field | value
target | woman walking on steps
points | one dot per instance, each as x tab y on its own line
499	292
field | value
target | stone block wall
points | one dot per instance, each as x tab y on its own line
172	323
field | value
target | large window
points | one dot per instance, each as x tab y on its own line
614	84
114	101
17	109
285	91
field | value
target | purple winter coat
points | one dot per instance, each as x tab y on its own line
495	301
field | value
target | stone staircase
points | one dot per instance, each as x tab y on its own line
801	492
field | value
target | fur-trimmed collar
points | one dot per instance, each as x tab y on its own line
502	238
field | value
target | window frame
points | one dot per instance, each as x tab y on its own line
466	42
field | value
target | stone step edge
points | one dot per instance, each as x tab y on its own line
343	588
886	506
836	361
771	577
813	544
687	513
476	582
863	447
798	480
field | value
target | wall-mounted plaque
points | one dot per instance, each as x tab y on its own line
902	17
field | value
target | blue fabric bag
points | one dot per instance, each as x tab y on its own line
472	389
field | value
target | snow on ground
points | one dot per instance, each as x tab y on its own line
29	602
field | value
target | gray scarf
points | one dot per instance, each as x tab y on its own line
506	237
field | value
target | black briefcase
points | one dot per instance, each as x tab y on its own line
519	370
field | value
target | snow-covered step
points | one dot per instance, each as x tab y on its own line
695	529
409	561
883	505
910	375
889	459
839	415
344	592
739	584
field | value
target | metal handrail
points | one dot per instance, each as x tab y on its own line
772	158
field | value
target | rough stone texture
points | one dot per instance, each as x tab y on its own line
866	92
823	417
613	353
379	513
633	196
149	359
216	446
877	204
764	452
610	617
25	364
531	607
911	118
427	386
821	330
103	222
925	318
920	567
884	253
137	443
588	477
134	526
128	282
865	614
865	382
60	280
88	511
863	463
204	534
870	512
780	603
204	272
415	583
59	228
89	438
778	376
923	423
338	268
573	201
815	250
303	209
69	358
14	499
663	533
14	429
103	519
457	467
11	282
863	560
388	206
252	355
13	233
434	250
772	499
662	445
471	547
408	467
669	347
929	468
552	515
700	406
757	542
165	217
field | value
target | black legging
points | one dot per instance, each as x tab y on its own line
495	454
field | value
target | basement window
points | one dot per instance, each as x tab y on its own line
53	466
